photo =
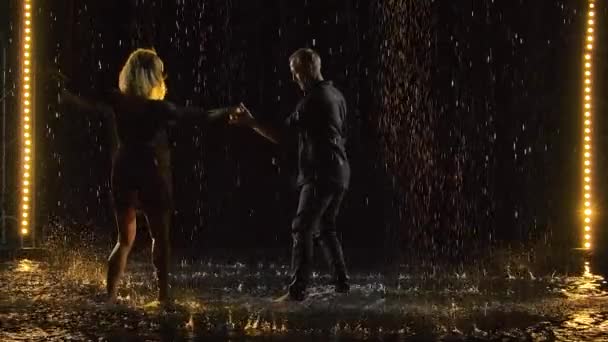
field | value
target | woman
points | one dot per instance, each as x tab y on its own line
141	171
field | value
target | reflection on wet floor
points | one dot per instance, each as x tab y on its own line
55	300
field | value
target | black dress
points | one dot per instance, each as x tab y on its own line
141	164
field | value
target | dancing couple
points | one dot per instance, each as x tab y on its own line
141	166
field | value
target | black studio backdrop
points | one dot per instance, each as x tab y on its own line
464	122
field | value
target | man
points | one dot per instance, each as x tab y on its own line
324	171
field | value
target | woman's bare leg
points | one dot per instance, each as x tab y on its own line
159	222
127	227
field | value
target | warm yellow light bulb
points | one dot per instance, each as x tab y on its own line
587	211
587	229
24	230
587	245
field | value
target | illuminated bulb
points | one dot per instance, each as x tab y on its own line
587	90
591	13
26	118
588	81
587	163
28	142
587	113
26	70
587	154
587	187
587	130
26	94
26	46
587	73
587	65
24	215
590	30
587	229
588	38
587	97
587	237
24	223
25	198
26	191
24	231
26	175
587	245
587	171
587	56
27	6
27	14
587	122
591	22
587	220
588	106
587	211
27	86
587	139
27	22
590	46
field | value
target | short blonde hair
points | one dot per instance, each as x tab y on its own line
141	74
307	58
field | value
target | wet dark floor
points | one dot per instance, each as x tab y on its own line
58	300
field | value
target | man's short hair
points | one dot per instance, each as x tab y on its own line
308	58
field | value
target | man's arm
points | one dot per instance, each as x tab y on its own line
242	116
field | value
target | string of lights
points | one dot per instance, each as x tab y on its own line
587	124
27	144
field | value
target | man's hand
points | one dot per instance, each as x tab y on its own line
241	116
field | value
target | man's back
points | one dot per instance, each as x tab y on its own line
320	120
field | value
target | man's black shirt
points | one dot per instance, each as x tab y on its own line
319	120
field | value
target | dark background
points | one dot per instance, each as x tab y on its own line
464	123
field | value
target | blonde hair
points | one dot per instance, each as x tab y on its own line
142	75
307	58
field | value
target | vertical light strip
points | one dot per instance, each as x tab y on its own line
587	123
27	140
